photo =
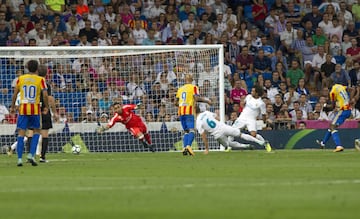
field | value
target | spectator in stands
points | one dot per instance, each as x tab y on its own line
268	49
340	76
322	114
90	117
270	90
291	96
174	39
72	28
139	33
38	15
355	74
319	38
314	16
278	103
280	68
318	59
287	37
282	120
221	25
110	16
305	104
26	23
167	32
90	32
93	93
105	102
279	58
259	13
295	115
301	88
294	74
262	63
326	70
135	87
238	92
276	79
280	26
270	22
149	117
41	39
326	25
354	50
292	15
156	10
137	16
62	114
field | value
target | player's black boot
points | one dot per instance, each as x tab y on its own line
146	145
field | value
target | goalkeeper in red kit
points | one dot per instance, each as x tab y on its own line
133	123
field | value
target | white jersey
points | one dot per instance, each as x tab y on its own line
253	108
206	121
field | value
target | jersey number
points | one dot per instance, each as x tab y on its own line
211	123
183	96
29	92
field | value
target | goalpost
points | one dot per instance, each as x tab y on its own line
86	80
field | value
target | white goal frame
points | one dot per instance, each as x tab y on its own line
40	52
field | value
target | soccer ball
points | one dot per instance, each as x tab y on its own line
76	149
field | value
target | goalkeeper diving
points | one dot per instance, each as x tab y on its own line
133	123
208	122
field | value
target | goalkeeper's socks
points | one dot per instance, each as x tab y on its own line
147	138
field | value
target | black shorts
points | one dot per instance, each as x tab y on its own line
46	122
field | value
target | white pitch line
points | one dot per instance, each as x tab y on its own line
180	186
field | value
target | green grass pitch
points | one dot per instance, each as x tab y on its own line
287	184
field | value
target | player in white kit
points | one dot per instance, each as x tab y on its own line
208	122
254	106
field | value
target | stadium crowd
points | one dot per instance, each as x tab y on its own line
294	49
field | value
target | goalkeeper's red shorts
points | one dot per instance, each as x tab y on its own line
136	130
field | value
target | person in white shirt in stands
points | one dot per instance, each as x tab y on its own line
254	106
189	24
156	10
208	122
139	33
230	16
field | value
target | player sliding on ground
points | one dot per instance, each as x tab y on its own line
133	123
209	122
254	106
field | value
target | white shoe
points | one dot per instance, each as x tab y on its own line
321	144
357	144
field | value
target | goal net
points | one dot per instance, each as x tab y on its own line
85	81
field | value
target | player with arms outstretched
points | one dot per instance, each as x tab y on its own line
30	86
187	96
254	106
208	122
133	123
340	98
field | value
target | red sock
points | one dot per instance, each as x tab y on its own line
147	138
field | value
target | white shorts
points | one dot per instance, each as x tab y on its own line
250	124
226	131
